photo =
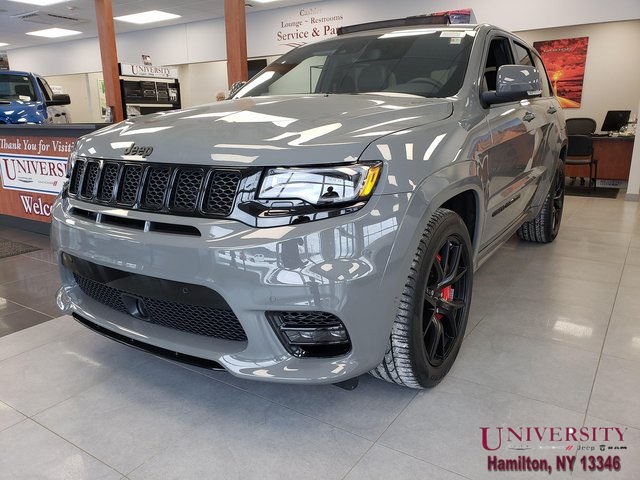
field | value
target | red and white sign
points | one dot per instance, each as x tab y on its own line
33	174
36	206
136	70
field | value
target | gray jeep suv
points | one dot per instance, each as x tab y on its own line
326	221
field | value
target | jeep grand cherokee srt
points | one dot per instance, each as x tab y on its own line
326	221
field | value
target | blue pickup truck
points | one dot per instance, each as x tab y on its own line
26	98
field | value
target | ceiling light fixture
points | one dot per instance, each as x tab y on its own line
54	33
147	17
40	3
265	1
2	44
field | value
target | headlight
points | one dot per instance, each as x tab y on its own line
321	186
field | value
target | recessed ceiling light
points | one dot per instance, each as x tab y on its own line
40	3
54	33
147	17
4	44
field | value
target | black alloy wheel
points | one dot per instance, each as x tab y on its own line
432	315
445	307
545	226
557	204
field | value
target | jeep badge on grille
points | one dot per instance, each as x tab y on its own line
143	150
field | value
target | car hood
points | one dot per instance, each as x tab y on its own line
278	130
18	111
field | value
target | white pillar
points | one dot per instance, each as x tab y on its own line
633	186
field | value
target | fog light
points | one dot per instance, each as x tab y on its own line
310	334
63	301
316	335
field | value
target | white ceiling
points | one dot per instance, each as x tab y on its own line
82	13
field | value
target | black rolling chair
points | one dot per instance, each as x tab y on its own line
581	126
580	152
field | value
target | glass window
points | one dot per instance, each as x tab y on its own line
547	91
46	89
523	57
499	54
418	62
16	87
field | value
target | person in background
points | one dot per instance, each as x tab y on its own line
220	96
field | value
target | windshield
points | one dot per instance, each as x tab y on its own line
16	87
430	63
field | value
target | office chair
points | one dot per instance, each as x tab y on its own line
580	152
581	126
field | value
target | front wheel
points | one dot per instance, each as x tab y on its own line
545	227
432	316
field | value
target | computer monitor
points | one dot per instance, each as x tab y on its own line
615	119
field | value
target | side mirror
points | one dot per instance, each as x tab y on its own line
235	88
513	83
59	99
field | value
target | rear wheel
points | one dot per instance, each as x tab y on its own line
432	317
545	227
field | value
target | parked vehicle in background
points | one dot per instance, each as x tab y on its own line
26	98
327	220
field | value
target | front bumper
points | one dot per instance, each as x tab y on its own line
345	266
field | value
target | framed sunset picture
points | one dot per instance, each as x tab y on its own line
565	61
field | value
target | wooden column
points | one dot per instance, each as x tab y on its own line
109	56
236	28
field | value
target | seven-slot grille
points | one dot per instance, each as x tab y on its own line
161	188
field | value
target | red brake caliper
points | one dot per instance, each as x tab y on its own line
447	292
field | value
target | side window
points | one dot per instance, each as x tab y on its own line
523	57
46	89
301	79
499	54
547	91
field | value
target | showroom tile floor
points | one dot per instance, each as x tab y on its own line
553	341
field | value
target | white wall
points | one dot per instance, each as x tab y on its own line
612	70
199	82
200	48
77	87
205	41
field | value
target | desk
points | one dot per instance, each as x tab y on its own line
614	159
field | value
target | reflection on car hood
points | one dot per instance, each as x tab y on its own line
313	129
18	111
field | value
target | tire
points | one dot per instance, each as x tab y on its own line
434	307
545	227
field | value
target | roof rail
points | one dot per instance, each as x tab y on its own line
398	22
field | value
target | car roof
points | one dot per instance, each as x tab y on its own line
435	27
14	72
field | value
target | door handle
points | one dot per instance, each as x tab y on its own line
551	110
528	117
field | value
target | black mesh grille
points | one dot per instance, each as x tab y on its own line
157	183
76	178
308	319
195	319
108	182
161	188
130	184
106	295
90	179
221	192
188	184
